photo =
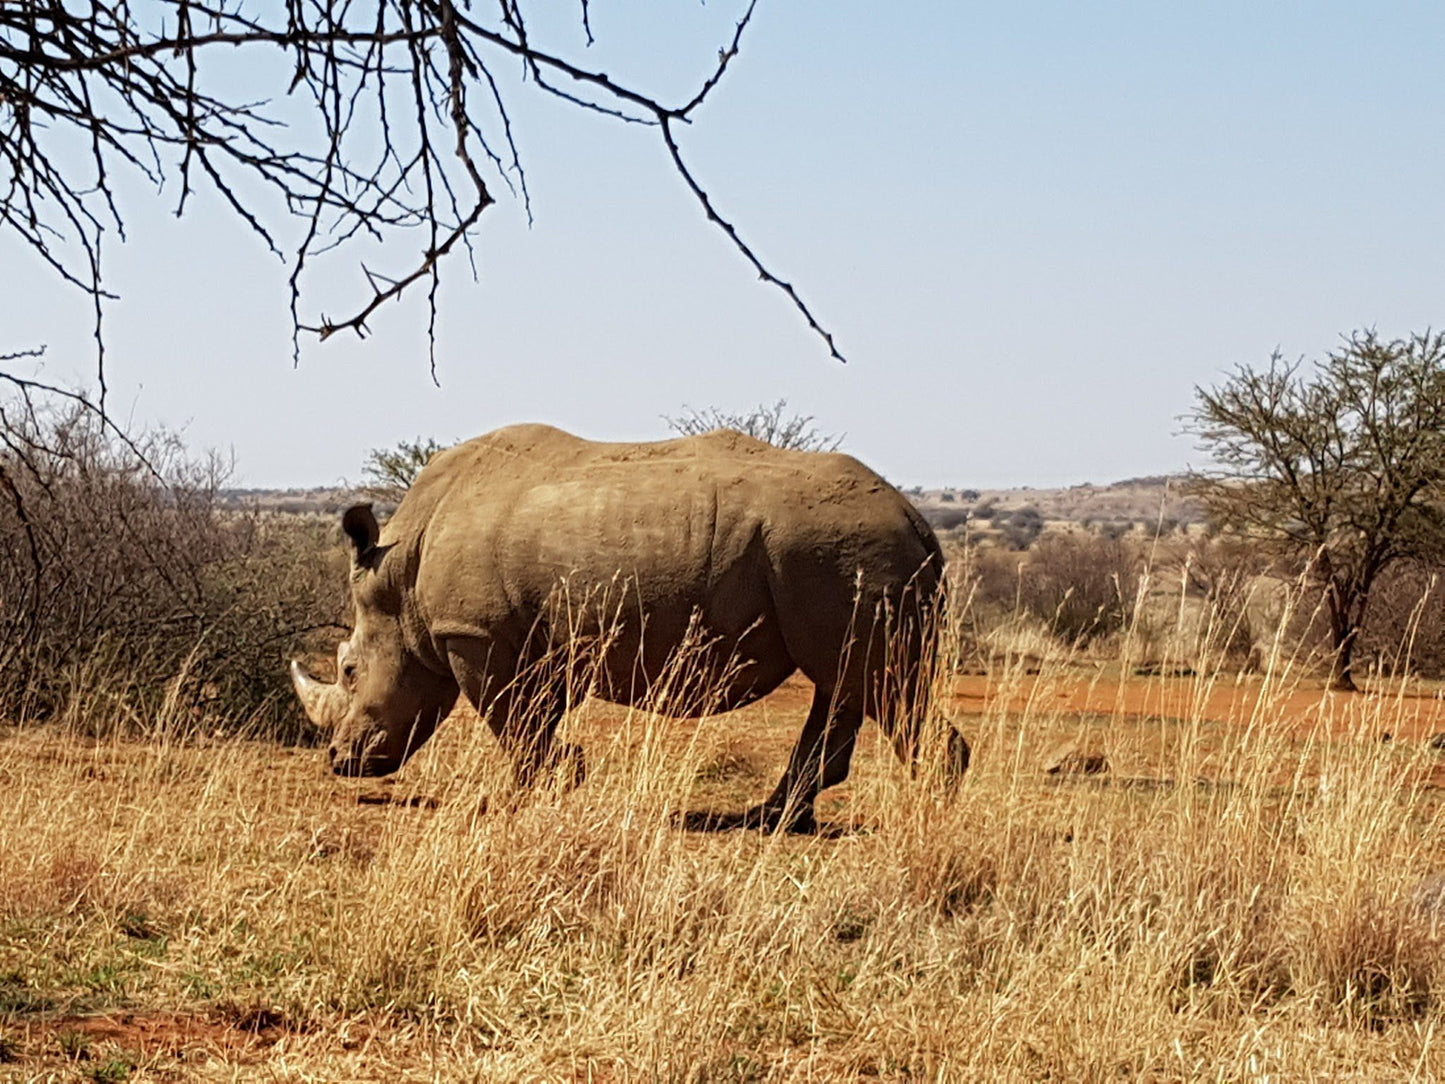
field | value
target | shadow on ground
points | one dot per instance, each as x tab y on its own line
755	820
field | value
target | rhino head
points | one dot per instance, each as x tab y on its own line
385	703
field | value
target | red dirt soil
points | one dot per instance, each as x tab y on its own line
1406	713
1411	712
168	1035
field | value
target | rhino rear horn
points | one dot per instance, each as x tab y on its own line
359	523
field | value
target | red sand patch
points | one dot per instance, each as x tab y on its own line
1412	713
1406	715
156	1034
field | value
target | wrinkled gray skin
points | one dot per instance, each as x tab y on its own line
528	558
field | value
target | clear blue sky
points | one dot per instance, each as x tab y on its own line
1034	228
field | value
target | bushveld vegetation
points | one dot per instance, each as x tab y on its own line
1237	877
1340	467
1241	897
773	423
126	590
389	472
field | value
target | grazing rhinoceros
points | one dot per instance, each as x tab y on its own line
529	545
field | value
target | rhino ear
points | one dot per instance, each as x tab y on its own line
359	523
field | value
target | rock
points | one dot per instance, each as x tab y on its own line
1071	759
1429	895
1158	669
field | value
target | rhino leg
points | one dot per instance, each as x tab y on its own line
526	728
904	730
821	759
522	711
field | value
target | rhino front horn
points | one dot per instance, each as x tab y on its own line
313	694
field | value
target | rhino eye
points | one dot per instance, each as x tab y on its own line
348	671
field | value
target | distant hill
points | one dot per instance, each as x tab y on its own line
325	500
1142	501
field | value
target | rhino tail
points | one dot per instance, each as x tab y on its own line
932	585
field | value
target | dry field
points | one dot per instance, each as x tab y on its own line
1238	898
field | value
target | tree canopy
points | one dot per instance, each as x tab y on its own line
774	424
390	472
1340	464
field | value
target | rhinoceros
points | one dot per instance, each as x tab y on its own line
529	544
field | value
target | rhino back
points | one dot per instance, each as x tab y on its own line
719	524
601	537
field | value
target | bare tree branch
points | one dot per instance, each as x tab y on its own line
395	119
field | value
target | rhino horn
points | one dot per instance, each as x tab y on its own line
312	693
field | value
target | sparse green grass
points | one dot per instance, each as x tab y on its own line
74	1045
113	1070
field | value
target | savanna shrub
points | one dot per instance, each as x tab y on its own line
985	582
1404	628
1022	528
127	593
1226	572
1082	586
946	519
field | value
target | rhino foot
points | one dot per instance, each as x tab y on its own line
797	820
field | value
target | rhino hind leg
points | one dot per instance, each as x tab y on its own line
902	720
821	759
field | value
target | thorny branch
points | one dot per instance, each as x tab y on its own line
395	121
121	552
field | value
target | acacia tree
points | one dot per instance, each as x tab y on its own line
1341	466
373	121
390	472
774	424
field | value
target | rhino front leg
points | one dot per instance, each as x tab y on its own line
526	728
523	712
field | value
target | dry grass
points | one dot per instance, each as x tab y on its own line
1233	901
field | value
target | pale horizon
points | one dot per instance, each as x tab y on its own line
1033	230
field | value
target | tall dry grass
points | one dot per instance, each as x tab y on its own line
1232	902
